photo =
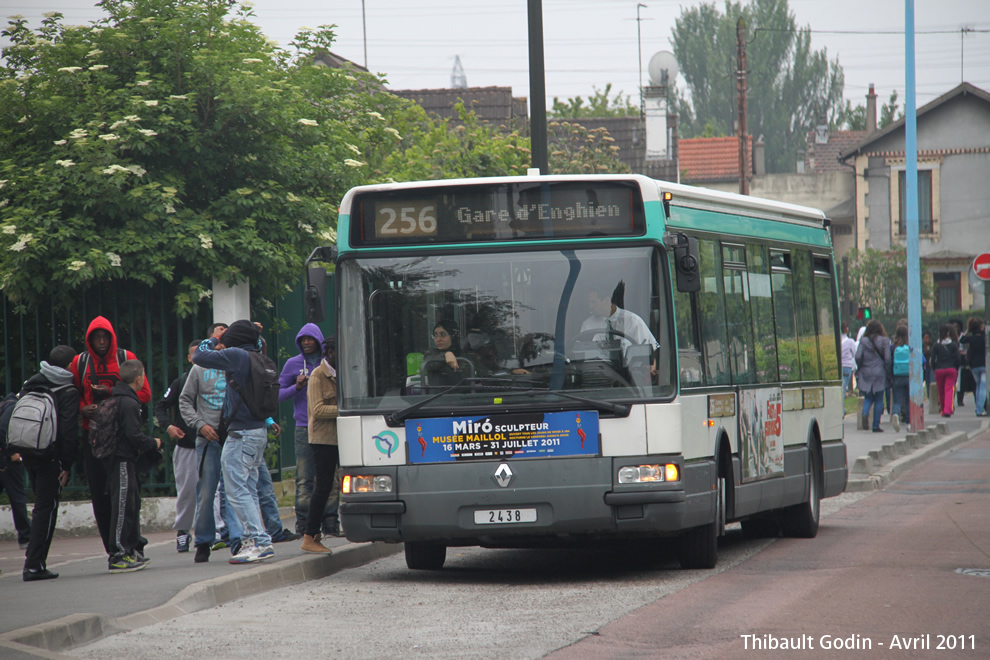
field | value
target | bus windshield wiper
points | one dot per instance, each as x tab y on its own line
504	384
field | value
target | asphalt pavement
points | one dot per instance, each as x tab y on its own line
86	603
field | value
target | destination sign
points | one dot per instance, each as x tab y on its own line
525	210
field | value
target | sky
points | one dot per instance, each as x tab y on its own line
589	44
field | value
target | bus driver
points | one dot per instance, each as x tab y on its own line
617	323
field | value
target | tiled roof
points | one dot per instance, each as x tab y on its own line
491	104
821	158
713	159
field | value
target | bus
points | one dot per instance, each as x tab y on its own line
550	361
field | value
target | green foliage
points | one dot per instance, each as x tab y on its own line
790	85
599	105
443	149
576	150
171	141
854	119
878	279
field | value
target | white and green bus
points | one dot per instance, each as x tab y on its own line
546	361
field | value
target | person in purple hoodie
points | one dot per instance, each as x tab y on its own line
293	383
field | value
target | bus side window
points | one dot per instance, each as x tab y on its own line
688	352
711	312
761	305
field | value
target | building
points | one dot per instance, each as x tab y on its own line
953	145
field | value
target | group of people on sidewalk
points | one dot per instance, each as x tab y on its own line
881	367
219	417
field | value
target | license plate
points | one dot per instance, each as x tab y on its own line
504	516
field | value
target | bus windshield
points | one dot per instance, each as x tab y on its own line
593	322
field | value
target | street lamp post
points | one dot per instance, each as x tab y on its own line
639	46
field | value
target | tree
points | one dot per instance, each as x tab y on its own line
854	119
171	141
599	105
575	149
878	279
789	85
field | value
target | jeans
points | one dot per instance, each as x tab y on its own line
326	458
306	484
206	490
267	502
874	399
242	458
847	373
902	395
980	376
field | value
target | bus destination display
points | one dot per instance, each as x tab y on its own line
450	214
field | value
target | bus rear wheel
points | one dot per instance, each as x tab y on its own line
425	556
801	520
698	547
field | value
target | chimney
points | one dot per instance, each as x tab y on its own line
871	111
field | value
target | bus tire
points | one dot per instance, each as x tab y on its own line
801	520
425	556
698	547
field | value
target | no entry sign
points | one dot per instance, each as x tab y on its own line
981	266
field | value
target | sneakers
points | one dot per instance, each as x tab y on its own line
33	574
286	535
202	553
182	541
895	421
251	553
128	564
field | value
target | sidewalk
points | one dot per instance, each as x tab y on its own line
877	459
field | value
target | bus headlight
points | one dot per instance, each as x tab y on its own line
373	483
638	474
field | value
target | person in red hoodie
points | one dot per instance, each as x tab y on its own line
94	372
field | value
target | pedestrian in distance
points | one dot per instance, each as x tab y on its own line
294	385
945	363
848	347
873	360
122	469
243	453
94	372
974	345
900	359
49	469
964	377
322	402
184	465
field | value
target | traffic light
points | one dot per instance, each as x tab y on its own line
864	314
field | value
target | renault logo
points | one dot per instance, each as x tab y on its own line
503	475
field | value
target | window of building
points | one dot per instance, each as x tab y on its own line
928	199
948	292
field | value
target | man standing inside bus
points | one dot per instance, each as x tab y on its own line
619	323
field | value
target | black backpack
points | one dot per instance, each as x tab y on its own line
260	394
104	428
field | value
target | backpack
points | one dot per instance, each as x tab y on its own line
260	393
104	428
902	360
33	425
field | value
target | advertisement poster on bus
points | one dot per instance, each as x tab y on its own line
526	435
761	443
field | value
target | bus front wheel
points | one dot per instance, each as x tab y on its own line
698	547
425	556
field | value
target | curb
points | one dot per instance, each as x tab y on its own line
882	467
79	629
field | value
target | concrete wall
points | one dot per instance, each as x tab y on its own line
820	191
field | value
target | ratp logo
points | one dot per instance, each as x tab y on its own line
386	442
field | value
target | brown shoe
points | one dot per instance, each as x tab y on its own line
310	544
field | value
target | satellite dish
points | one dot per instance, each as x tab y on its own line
663	68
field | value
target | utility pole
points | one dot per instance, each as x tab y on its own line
741	91
364	30
639	46
917	402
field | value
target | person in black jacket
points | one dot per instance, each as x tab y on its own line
49	476
122	471
184	464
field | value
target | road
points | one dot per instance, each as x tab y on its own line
883	565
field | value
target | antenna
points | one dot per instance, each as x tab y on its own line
663	69
457	78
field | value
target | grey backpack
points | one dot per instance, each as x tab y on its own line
33	423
